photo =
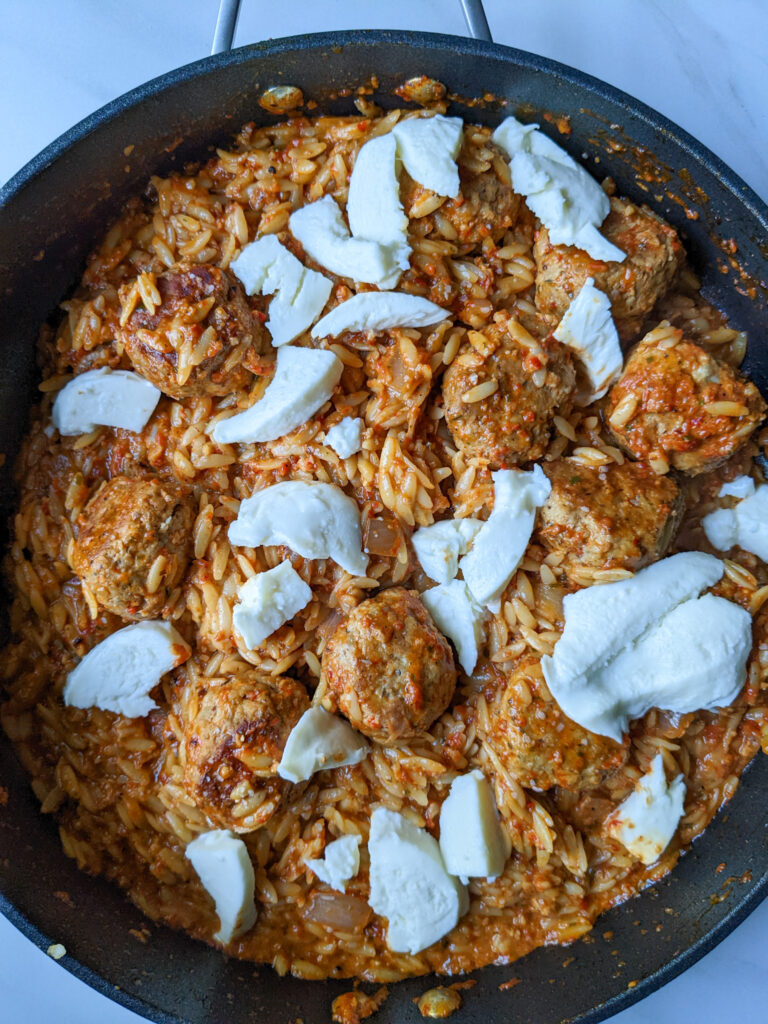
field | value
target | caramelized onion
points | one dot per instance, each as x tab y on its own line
381	538
337	910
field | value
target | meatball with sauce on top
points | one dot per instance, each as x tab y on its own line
388	669
608	517
676	405
133	545
500	405
654	255
194	340
234	733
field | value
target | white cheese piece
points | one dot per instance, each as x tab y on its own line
320	228
340	862
565	198
409	884
438	547
646	821
222	864
745	525
740	487
303	382
267	600
104	398
472	840
459	617
500	545
379	311
318	741
298	293
346	437
374	209
428	147
316	520
118	674
601	620
588	328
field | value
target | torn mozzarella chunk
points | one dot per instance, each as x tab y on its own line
340	862
374	209
459	617
316	520
565	198
266	601
410	886
647	820
438	547
319	741
298	293
745	525
379	311
472	840
320	228
428	147
104	398
740	487
346	437
500	545
600	620
223	866
119	673
587	327
303	382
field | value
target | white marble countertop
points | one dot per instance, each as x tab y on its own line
700	62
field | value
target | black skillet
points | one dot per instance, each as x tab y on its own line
50	215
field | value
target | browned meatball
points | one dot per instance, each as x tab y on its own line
654	255
676	404
608	517
235	730
534	379
134	542
195	341
538	744
388	669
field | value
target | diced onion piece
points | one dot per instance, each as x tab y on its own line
104	398
222	864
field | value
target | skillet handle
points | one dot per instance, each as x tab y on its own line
226	23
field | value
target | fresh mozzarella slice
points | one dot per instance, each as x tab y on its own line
472	840
565	198
588	328
428	147
439	546
316	520
223	866
741	487
320	228
298	293
459	617
346	437
374	209
319	741
647	820
601	620
379	311
500	545
267	600
119	673
340	862
104	398
410	885
303	382
745	525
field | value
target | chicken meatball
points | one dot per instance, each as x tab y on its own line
500	406
608	517
194	341
235	730
654	255
388	669
538	744
134	543
677	405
